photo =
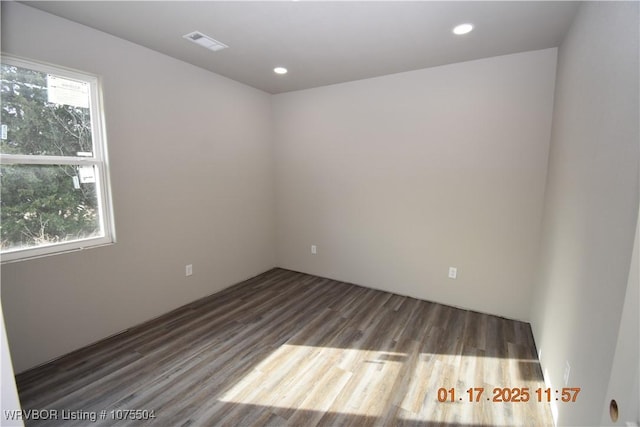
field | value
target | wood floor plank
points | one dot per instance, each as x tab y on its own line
291	349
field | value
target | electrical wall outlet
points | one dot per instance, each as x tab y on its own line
188	270
567	370
314	249
453	272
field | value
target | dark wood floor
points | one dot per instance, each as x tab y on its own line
286	348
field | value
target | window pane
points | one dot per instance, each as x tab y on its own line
42	205
44	114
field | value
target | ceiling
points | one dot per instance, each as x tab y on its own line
323	43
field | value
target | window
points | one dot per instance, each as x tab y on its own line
54	192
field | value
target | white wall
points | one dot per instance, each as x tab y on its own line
591	205
624	381
192	180
9	402
397	178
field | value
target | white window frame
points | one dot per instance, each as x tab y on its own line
99	161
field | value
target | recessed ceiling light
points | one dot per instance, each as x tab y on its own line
280	70
462	29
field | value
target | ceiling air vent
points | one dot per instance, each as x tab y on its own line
205	41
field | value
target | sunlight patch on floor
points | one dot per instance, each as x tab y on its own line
366	383
319	379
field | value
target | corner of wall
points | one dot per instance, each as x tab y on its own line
590	207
